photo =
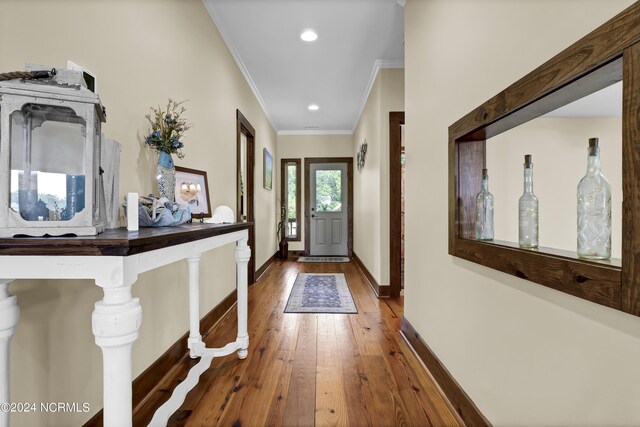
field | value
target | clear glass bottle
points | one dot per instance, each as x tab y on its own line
484	210
528	209
594	209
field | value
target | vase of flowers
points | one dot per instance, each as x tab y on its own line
165	136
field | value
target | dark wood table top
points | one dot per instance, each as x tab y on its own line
118	241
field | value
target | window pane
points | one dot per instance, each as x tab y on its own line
328	191
292	208
47	163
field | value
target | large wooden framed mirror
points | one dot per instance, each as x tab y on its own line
595	64
245	140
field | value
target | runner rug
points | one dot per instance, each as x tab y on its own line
323	259
320	293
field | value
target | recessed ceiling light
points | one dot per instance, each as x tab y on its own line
313	107
308	36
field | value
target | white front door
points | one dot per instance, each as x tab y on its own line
328	209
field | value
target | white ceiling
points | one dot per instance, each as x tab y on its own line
606	102
355	38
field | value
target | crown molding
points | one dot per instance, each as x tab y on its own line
377	66
236	56
315	132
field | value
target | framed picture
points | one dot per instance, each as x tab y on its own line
192	189
267	181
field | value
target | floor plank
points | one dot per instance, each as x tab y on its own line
309	369
331	406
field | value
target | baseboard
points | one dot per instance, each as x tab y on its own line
380	291
147	381
460	401
296	254
263	268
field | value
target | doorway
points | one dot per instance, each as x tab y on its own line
329	206
245	140
396	202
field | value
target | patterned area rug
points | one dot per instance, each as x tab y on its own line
323	259
320	293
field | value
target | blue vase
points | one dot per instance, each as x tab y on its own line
166	177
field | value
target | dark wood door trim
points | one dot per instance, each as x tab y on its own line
396	118
284	193
307	198
243	127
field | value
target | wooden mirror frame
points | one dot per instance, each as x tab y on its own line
243	127
606	55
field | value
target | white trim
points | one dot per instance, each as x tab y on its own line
377	66
315	132
236	56
76	67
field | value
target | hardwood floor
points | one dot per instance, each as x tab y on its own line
308	369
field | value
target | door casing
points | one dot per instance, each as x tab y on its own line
396	118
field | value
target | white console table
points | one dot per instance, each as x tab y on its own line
114	259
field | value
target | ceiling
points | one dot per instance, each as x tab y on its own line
335	72
606	102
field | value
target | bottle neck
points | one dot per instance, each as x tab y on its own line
593	161
485	184
528	179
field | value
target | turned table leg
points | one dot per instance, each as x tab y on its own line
243	254
116	321
196	346
9	315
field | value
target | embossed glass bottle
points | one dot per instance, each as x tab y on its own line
528	209
484	210
594	209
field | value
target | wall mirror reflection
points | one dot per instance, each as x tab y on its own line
558	143
242	180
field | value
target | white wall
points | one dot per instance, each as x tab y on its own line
301	147
526	354
371	185
142	52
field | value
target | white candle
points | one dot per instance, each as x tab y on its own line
132	211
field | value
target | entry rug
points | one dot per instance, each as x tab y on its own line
323	259
320	293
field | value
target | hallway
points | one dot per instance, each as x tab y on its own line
308	369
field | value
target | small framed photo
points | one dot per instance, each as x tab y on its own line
192	189
267	170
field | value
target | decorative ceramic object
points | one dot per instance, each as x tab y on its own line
361	156
222	215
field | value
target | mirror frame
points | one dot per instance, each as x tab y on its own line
606	55
243	127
